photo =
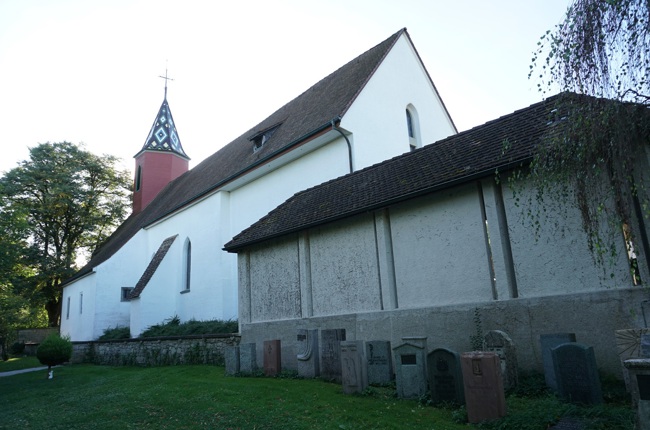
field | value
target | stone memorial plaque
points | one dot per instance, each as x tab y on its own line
445	376
639	369
577	373
308	358
247	358
628	343
643	382
410	371
548	342
378	356
353	367
231	356
500	343
272	357
645	346
330	354
483	386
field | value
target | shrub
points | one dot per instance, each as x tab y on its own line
173	327
54	350
17	348
115	333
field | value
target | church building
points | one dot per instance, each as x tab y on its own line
166	259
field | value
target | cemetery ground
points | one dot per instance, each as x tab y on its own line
200	397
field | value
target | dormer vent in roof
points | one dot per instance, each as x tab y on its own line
260	138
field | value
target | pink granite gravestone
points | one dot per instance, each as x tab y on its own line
484	395
272	357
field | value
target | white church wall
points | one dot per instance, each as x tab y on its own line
77	317
378	115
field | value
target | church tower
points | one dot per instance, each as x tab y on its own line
161	159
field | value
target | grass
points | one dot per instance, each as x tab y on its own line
199	397
19	363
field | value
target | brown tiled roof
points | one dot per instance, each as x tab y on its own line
306	115
500	144
153	265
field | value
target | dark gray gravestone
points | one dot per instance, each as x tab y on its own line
645	346
330	354
577	373
378	356
247	358
231	356
308	358
548	342
353	367
410	371
499	342
445	376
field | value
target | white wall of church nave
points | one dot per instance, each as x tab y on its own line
211	275
77	318
254	200
378	115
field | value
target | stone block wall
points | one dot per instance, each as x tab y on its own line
160	351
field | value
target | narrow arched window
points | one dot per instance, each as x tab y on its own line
187	265
413	127
138	178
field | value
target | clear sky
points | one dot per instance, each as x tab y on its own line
88	71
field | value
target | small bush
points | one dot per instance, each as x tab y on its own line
17	348
173	327
54	350
116	333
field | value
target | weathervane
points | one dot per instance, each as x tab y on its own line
166	79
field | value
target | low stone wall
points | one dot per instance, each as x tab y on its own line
32	337
159	351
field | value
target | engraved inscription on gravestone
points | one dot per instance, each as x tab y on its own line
331	353
378	355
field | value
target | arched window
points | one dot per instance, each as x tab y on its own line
413	127
138	178
187	265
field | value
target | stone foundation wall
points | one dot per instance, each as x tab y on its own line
160	351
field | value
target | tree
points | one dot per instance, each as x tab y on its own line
601	49
64	201
54	350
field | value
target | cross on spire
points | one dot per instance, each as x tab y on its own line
166	79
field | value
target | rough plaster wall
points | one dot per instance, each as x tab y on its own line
344	271
552	257
592	316
275	275
439	249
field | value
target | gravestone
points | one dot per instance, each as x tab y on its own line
548	342
231	356
378	356
577	374
500	343
445	376
483	384
639	369
410	371
330	355
645	346
247	358
272	357
353	367
628	343
308	359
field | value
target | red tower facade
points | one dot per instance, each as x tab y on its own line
160	161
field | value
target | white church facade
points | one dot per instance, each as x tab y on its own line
167	259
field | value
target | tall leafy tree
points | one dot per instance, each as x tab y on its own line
600	49
69	201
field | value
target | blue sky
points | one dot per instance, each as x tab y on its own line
87	71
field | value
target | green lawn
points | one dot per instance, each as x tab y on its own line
19	363
201	397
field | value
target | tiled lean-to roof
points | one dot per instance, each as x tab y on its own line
500	145
305	116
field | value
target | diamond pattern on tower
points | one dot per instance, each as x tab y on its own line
163	135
